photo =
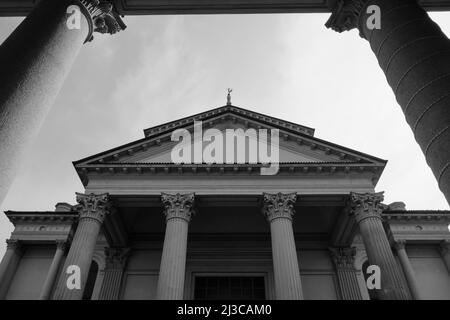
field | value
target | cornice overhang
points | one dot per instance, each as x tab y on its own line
231	110
298	169
418	215
160	7
18	217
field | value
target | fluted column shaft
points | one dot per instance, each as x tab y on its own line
408	270
367	211
445	252
279	210
115	263
178	212
53	271
344	259
415	56
9	264
92	210
34	62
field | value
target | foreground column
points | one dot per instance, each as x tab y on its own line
367	210
92	210
415	56
9	265
408	269
53	271
178	210
279	210
34	61
115	264
344	259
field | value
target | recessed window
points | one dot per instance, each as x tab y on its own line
229	288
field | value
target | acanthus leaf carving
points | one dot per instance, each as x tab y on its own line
366	205
93	206
346	15
178	205
279	205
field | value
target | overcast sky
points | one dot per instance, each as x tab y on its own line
166	67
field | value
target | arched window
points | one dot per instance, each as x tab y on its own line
90	283
372	293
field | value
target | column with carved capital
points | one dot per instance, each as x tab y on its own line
279	211
53	270
35	59
344	259
445	252
178	210
92	210
115	263
9	264
408	269
367	209
415	56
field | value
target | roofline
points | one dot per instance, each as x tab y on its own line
312	130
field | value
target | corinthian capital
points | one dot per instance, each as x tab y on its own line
345	14
93	206
178	205
400	244
344	257
279	205
116	257
103	17
13	244
445	246
366	205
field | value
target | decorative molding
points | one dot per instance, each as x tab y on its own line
93	206
400	244
279	205
103	17
235	113
178	206
115	258
344	257
421	216
62	245
444	247
346	15
13	244
366	205
40	217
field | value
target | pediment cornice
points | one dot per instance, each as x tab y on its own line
230	112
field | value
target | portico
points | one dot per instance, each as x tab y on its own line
146	228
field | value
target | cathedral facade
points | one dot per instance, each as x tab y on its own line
149	227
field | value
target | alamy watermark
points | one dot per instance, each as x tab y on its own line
235	146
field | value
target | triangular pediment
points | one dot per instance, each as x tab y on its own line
297	144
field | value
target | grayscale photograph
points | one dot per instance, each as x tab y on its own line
212	151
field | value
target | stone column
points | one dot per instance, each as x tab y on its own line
53	271
92	210
445	252
178	210
344	259
408	269
415	56
279	210
9	265
112	279
367	209
34	61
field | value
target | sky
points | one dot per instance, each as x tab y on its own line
162	68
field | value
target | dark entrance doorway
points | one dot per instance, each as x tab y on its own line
229	288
